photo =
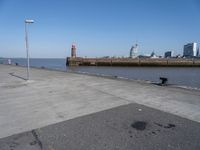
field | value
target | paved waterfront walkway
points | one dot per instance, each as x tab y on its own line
51	97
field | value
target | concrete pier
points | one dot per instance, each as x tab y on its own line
55	104
148	62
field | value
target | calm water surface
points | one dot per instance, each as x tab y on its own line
183	76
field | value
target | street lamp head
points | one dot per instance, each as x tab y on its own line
29	21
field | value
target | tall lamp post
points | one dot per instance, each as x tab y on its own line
27	21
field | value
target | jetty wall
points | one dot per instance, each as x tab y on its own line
184	62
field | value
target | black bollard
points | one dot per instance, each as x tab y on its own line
163	80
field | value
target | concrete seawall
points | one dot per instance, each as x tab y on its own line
180	62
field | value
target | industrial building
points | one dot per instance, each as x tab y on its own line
191	50
169	54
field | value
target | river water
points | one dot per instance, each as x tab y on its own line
181	76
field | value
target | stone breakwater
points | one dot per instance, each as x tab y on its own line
171	62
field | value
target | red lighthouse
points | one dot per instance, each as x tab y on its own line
73	51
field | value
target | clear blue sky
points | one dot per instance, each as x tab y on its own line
98	27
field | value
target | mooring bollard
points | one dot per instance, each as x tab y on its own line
163	80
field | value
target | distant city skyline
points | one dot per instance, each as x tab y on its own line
98	27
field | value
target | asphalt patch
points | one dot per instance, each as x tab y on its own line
121	128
